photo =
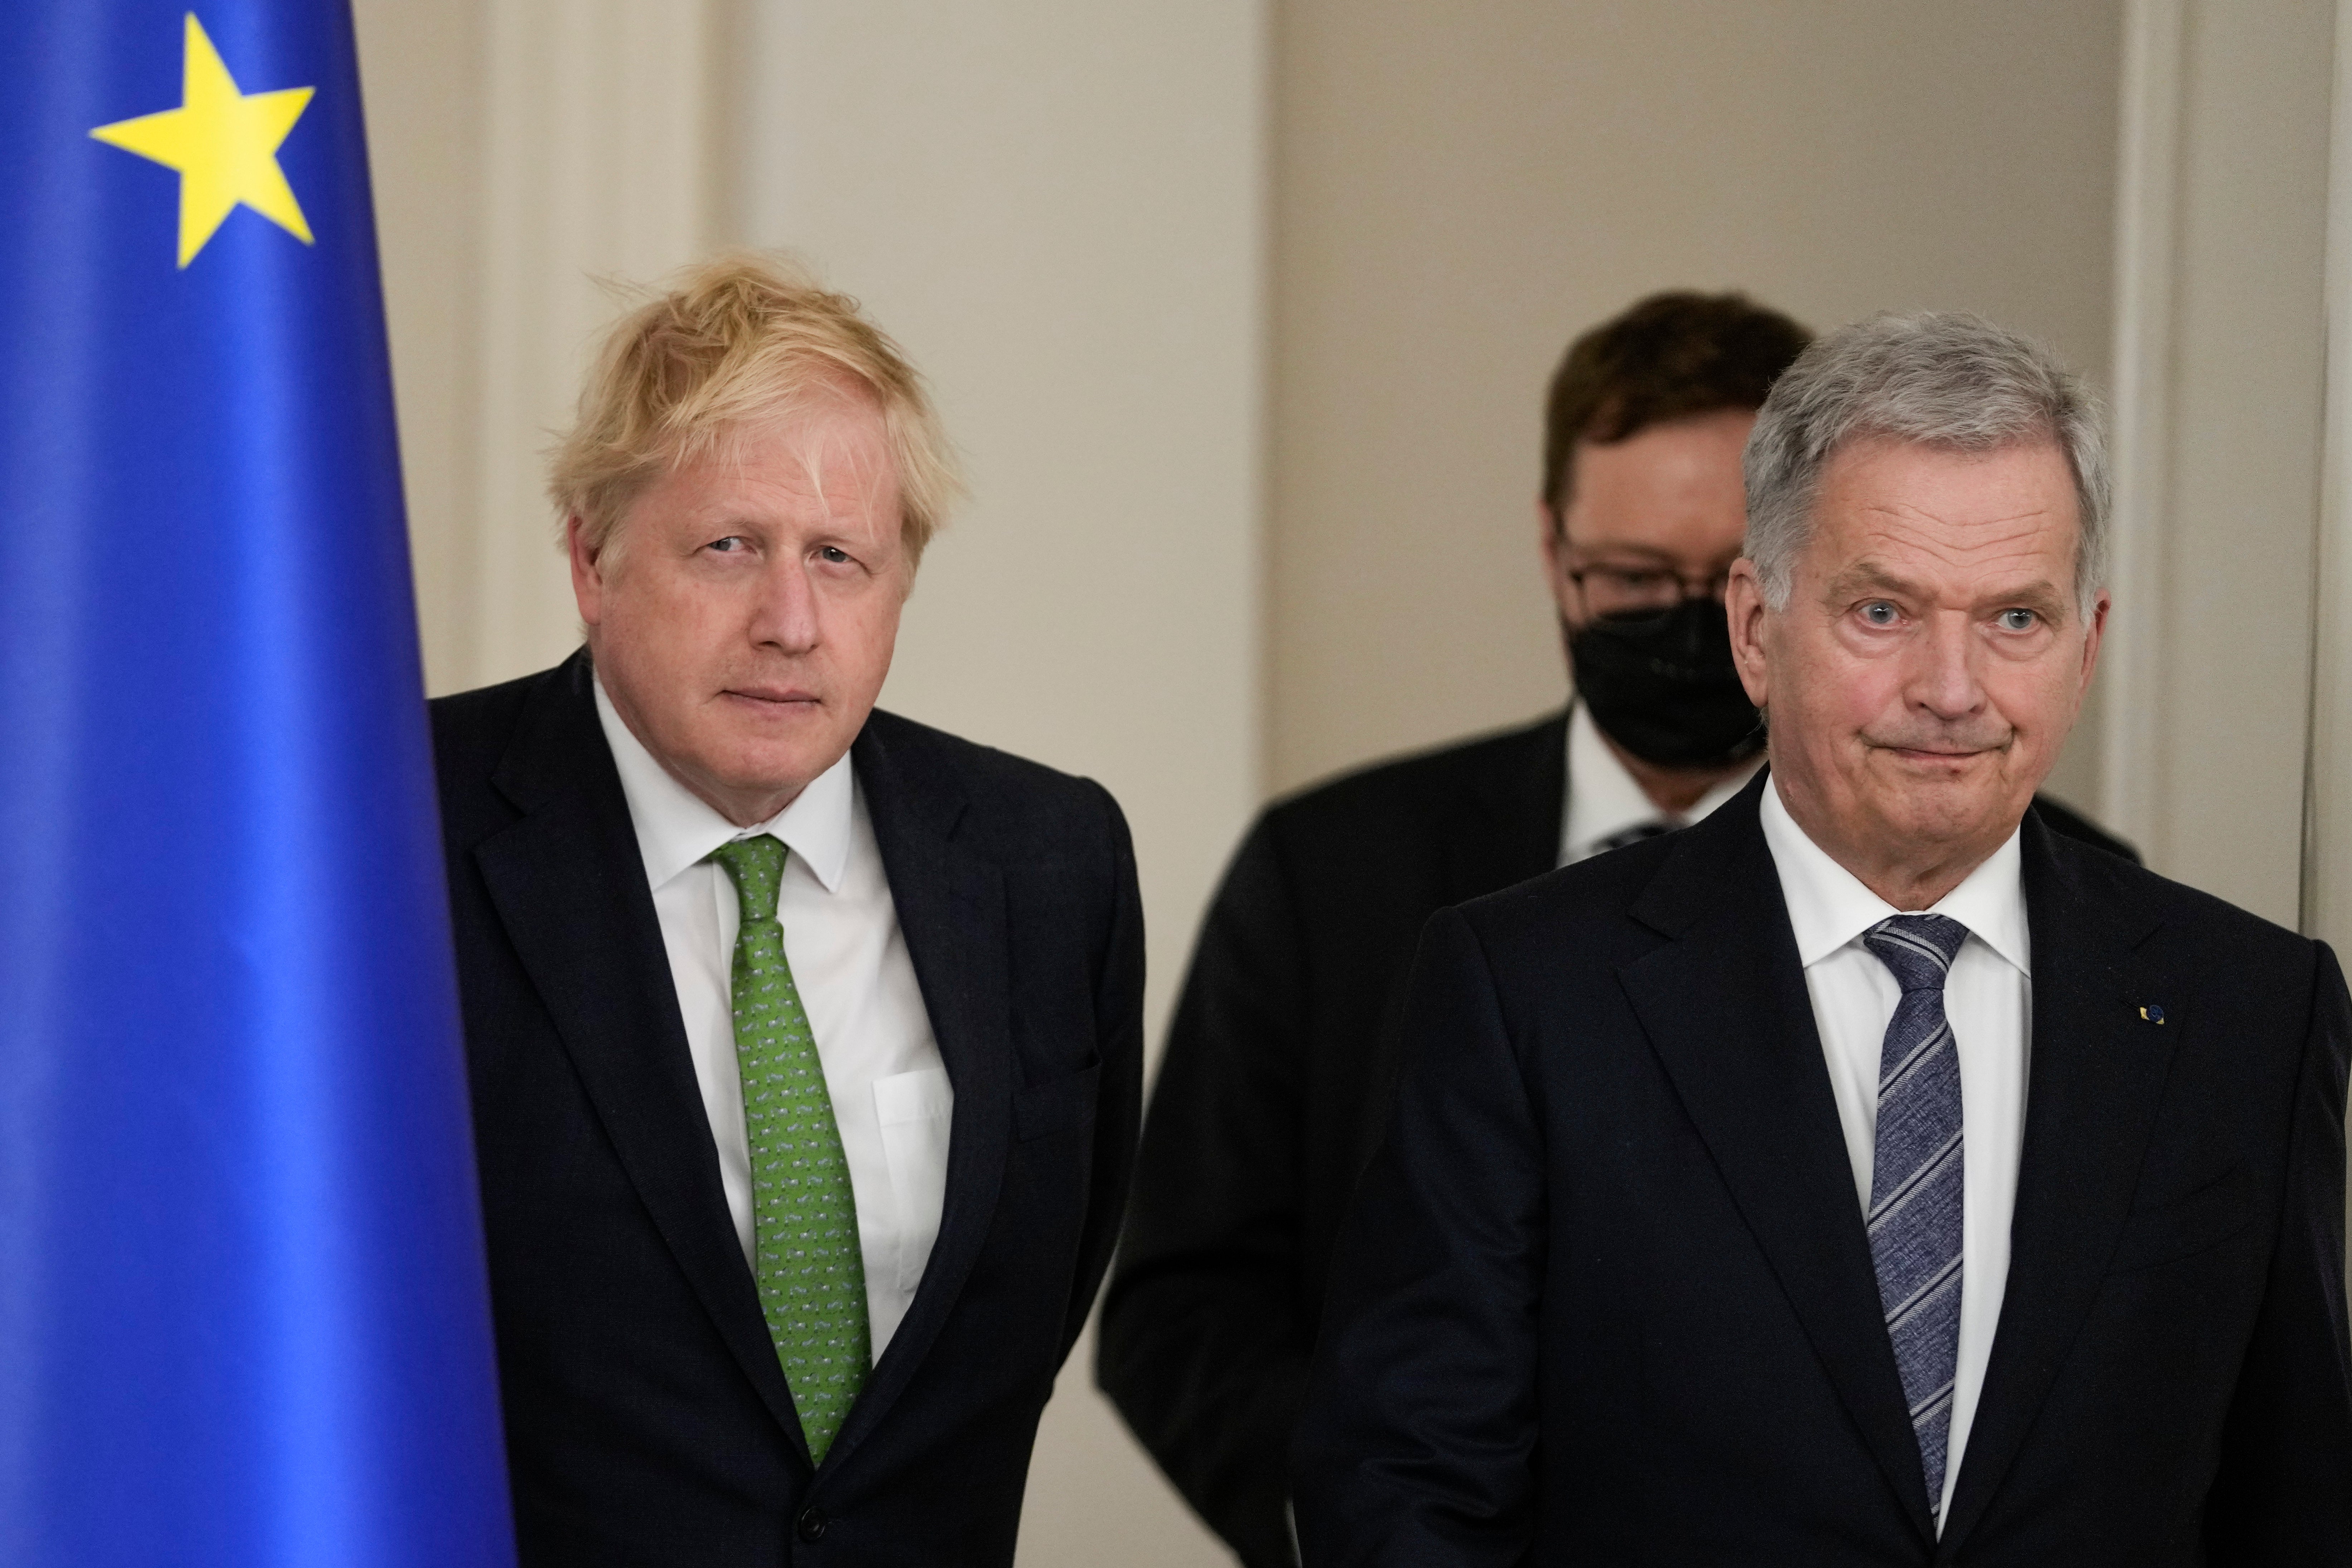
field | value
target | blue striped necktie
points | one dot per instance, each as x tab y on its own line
1917	1189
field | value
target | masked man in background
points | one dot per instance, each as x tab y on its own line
1277	1080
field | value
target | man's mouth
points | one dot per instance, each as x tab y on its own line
1934	753
778	696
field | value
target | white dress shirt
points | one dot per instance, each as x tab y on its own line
891	1093
1604	799
1988	997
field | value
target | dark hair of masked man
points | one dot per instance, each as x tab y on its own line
1277	1079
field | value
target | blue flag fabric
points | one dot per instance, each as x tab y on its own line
243	1306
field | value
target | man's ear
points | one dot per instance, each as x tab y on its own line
1550	541
587	570
1743	608
2096	630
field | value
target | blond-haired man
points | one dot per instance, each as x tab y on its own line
806	1040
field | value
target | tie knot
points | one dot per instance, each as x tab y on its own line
1918	948
757	866
1636	834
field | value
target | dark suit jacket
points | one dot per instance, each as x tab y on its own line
647	1420
1604	1295
1275	1088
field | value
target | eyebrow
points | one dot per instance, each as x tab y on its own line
1868	574
2041	595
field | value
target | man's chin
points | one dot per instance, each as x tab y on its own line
1954	812
769	767
772	768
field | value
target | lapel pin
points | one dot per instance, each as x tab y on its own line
2152	1013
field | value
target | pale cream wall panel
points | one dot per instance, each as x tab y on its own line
523	150
2220	443
421	67
1461	189
2327	843
2147	228
597	165
2247	351
1055	207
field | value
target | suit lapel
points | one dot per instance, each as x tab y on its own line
568	883
950	908
1515	833
2096	1075
1726	1011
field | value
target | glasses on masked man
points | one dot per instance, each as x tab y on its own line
1653	665
1618	589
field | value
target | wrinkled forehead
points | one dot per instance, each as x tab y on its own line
1948	507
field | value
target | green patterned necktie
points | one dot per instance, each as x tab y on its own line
809	1266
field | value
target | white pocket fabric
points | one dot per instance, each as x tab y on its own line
914	1110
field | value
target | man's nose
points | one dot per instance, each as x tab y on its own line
1944	675
785	615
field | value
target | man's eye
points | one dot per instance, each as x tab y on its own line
833	553
2019	620
730	545
1879	612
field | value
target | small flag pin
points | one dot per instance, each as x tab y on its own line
2152	1013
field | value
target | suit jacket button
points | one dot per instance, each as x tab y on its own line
811	1524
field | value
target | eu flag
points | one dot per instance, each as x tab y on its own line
243	1309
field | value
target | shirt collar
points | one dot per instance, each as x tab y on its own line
678	828
1829	907
1605	799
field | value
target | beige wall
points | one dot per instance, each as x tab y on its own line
421	66
525	154
2223	330
1057	206
2327	871
1460	189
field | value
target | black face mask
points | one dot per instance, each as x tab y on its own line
1663	686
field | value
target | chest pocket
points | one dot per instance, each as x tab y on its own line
914	1110
2183	1227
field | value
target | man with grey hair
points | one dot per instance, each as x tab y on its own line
1866	1175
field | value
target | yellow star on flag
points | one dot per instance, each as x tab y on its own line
222	141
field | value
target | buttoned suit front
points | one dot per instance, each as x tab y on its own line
1605	1294
648	1421
1275	1087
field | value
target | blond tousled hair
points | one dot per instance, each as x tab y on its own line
737	341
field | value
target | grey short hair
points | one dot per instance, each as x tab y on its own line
1943	378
